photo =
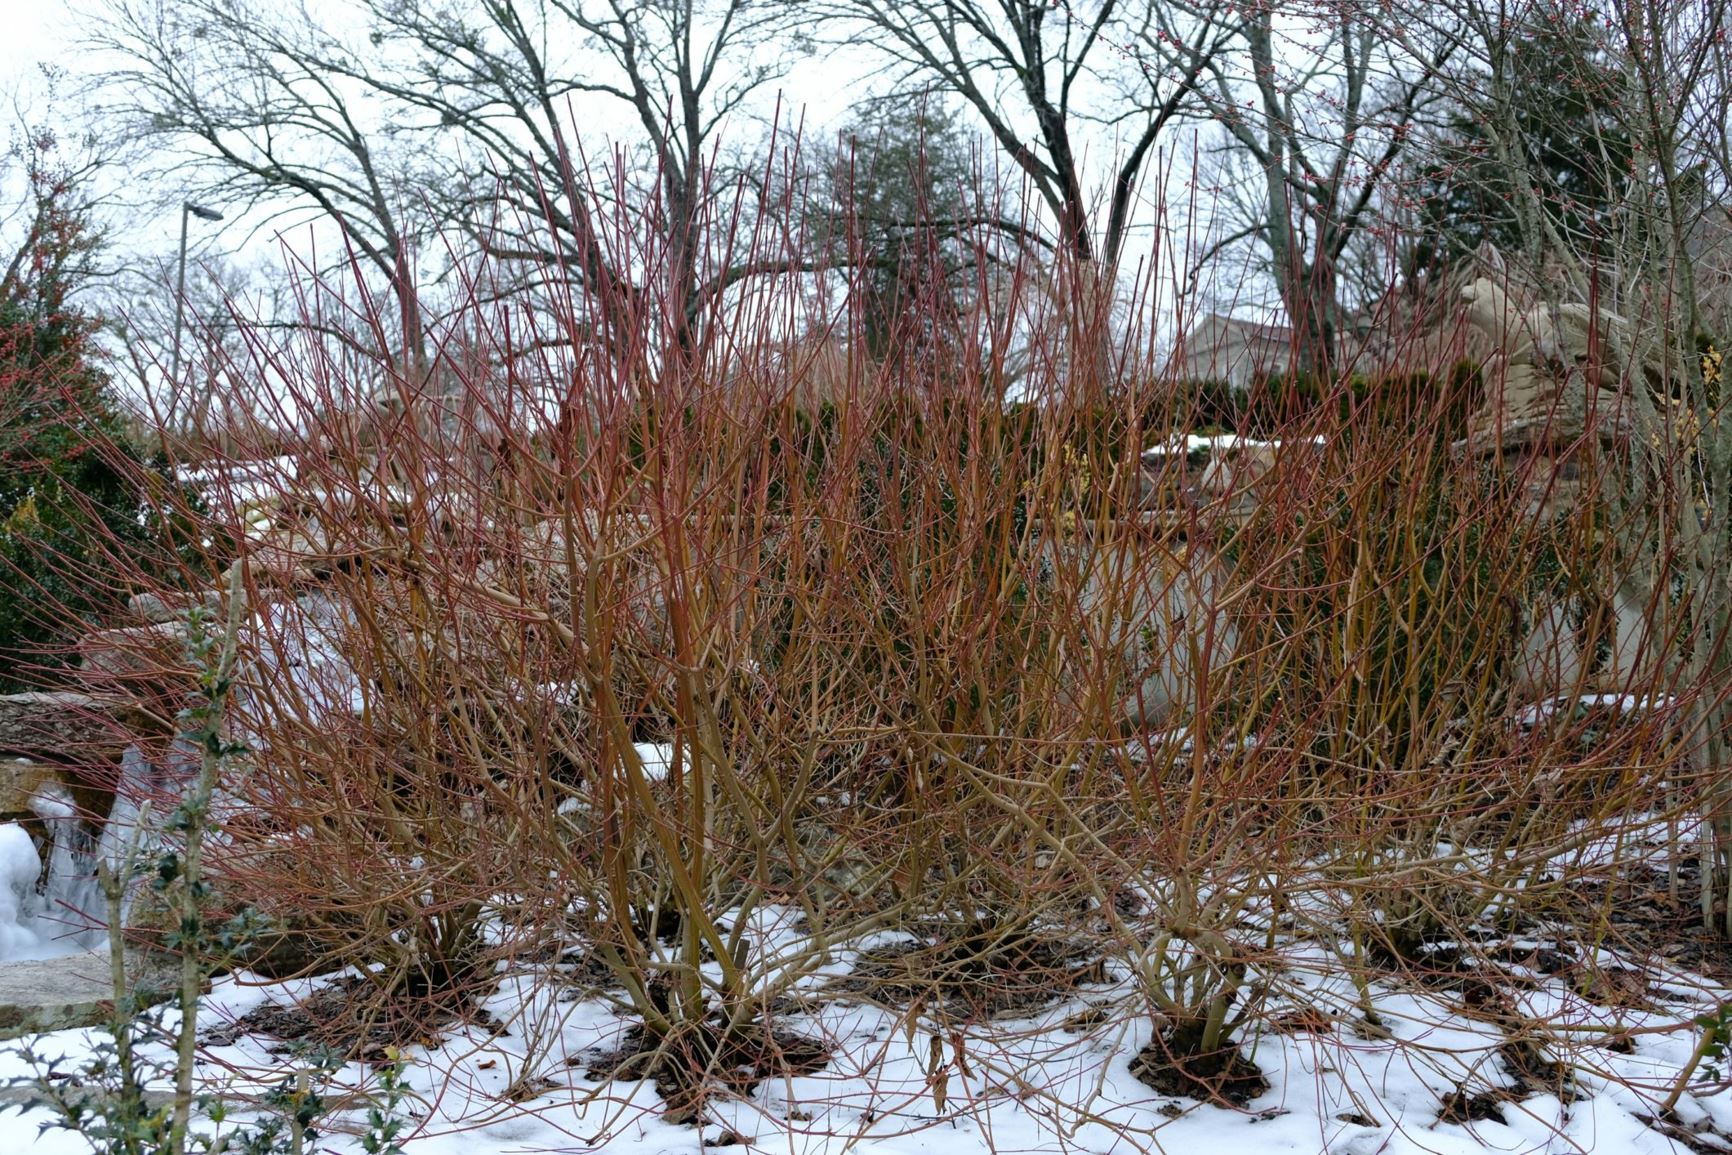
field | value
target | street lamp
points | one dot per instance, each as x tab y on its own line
187	209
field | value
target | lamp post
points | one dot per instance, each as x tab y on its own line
187	209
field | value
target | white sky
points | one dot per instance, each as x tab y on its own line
31	31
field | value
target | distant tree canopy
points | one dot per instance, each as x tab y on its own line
1562	94
65	502
899	196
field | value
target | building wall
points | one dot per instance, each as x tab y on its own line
1229	349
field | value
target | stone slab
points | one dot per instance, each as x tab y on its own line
162	608
20	779
64	727
61	993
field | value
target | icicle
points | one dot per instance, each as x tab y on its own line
20	867
68	913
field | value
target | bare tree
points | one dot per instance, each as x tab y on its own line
425	117
1669	50
1041	76
197	410
512	79
1321	101
1641	283
242	97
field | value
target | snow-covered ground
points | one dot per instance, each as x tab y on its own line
1434	1077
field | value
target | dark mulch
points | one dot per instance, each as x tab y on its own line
585	974
1478	983
1539	959
975	971
1703	1138
1462	1106
1646	919
702	1059
1224	1076
352	1019
1533	1072
726	1139
1307	1020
